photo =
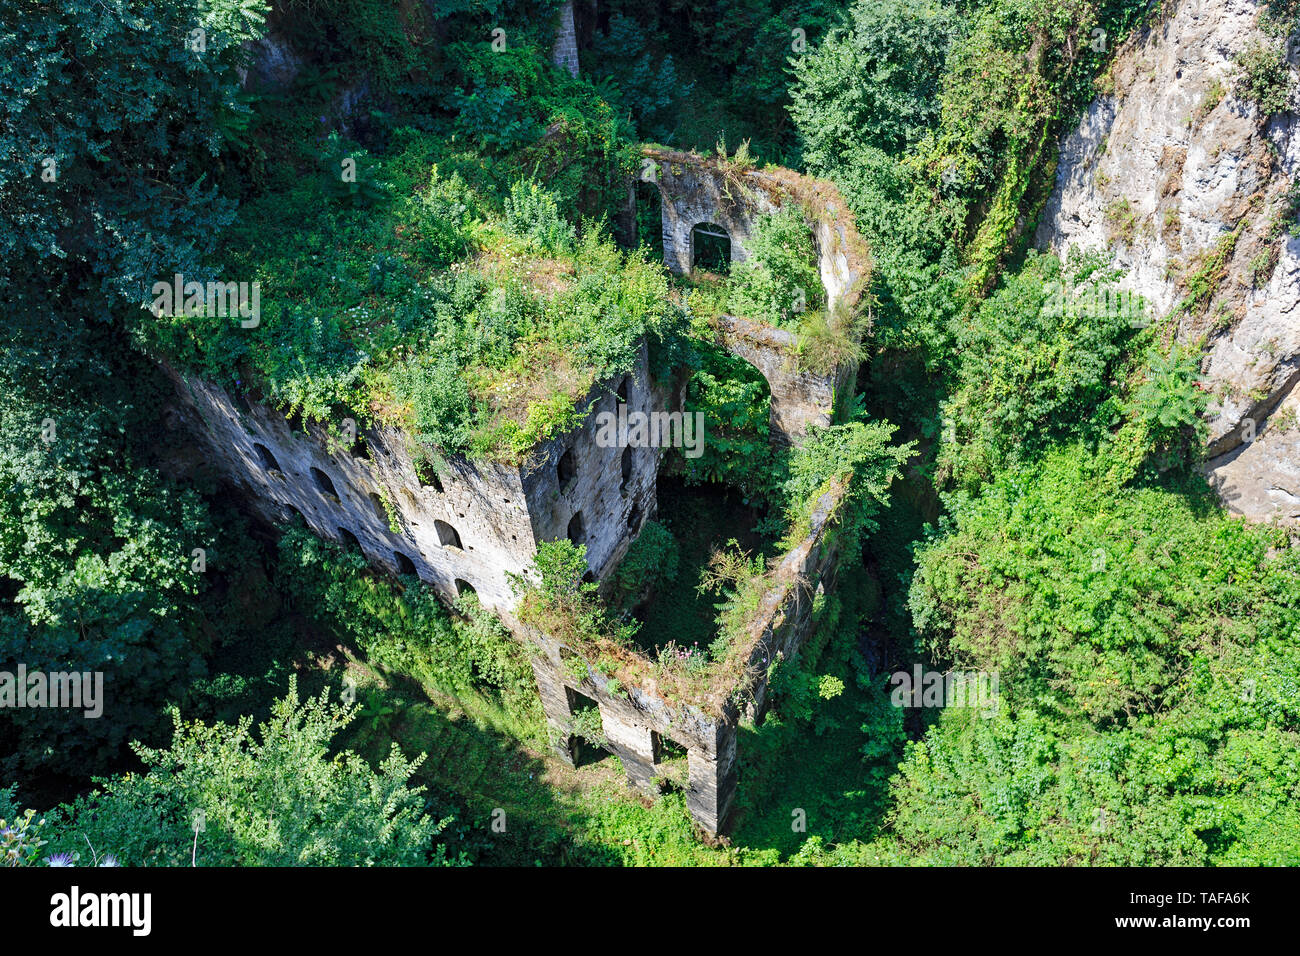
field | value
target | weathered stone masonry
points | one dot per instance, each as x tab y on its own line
697	191
635	718
468	528
565	53
476	523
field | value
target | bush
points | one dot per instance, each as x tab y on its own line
224	796
405	630
532	213
1092	597
857	453
1265	77
737	407
1036	365
650	563
779	279
873	83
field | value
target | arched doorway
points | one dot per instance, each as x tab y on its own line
649	224
710	248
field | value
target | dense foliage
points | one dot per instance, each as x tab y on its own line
406	631
434	215
224	795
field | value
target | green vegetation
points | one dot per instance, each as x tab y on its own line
361	312
436	226
224	796
1264	79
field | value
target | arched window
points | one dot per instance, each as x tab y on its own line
622	390
268	460
350	539
380	510
634	519
577	530
324	483
710	248
404	564
626	466
447	536
428	476
295	513
566	470
463	587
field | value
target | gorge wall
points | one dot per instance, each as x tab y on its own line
1188	184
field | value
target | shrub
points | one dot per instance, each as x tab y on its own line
1265	77
532	213
405	630
779	280
650	563
224	796
1036	365
873	83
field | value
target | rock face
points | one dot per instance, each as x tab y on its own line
1187	185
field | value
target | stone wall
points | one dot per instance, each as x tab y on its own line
565	53
468	527
696	190
611	509
636	717
799	398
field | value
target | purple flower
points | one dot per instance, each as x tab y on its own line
59	859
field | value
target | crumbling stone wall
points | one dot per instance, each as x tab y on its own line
612	510
799	398
474	524
697	190
565	53
636	718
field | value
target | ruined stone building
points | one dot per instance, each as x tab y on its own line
473	525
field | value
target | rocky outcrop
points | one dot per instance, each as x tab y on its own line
1188	184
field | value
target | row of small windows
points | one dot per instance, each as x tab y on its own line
404	564
428	479
566	469
448	536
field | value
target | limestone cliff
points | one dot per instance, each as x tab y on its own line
1189	185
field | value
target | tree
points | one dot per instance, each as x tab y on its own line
95	546
221	795
874	83
115	111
